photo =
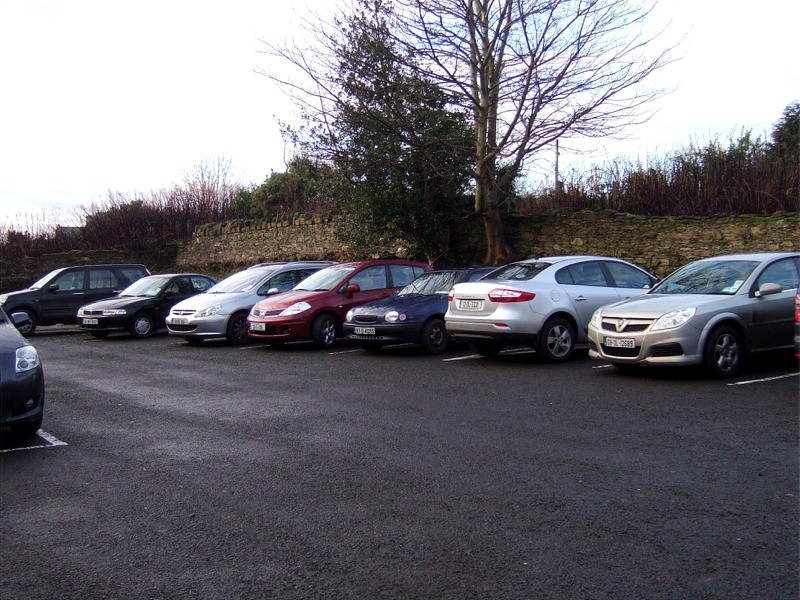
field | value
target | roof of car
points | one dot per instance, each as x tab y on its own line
555	259
753	256
296	263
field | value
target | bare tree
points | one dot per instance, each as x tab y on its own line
531	72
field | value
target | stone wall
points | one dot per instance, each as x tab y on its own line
658	244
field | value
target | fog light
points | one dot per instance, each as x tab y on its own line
30	404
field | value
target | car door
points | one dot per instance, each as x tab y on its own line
63	296
103	282
587	288
773	315
372	282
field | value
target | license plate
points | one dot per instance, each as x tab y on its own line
619	342
180	321
470	304
257	327
365	331
90	321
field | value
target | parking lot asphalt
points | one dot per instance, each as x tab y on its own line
171	471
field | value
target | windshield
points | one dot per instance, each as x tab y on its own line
243	281
324	279
430	284
146	286
717	277
45	279
517	272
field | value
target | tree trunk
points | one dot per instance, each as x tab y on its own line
498	249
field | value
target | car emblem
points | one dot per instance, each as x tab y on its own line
621	324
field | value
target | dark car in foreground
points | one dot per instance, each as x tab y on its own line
56	297
315	309
712	312
415	315
142	307
21	378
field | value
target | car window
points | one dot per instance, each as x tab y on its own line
70	281
402	275
100	279
371	278
281	281
626	276
200	284
724	277
782	272
586	273
429	284
517	271
131	274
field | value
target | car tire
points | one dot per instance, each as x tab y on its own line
323	332
28	428
27	330
143	326
99	334
724	352
556	340
488	349
236	332
372	346
435	338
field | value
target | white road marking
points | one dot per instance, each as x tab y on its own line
765	379
51	439
468	357
603	367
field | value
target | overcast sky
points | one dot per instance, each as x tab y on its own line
103	95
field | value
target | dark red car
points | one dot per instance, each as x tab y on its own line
315	309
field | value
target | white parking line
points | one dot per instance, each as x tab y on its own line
765	379
468	357
51	439
603	367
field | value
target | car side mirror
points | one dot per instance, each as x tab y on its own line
767	289
352	289
273	291
52	288
21	319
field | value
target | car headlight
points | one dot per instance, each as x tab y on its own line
211	310
673	319
27	359
349	316
295	309
596	319
393	317
113	312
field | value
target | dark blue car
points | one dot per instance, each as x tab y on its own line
415	315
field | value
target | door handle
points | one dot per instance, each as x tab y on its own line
580	298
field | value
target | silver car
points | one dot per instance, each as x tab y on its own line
545	303
712	312
221	311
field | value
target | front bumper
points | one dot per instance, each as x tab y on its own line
22	397
200	327
104	323
677	347
386	333
283	329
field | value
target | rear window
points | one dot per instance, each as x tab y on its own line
517	272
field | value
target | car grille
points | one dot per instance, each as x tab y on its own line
366	319
621	352
183	313
673	349
257	312
626	325
182	328
92	313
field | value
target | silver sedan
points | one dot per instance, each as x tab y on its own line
545	303
713	312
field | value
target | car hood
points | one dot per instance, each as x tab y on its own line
406	304
204	300
117	302
286	299
655	305
10	340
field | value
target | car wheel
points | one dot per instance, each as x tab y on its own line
236	332
488	349
556	340
323	332
99	334
371	346
28	328
434	336
724	352
28	428
143	325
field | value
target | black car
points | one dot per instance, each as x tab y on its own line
415	315
142	307
57	296
21	378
